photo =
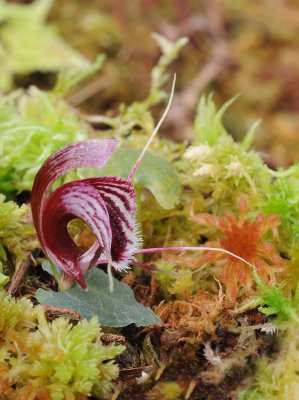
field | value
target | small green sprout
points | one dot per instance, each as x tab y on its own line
3	280
46	122
276	303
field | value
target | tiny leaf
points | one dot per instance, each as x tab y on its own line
46	266
3	280
154	173
115	309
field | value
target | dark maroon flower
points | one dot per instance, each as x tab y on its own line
106	204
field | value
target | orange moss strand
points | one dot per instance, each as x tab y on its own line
266	248
43	394
242	207
277	260
231	218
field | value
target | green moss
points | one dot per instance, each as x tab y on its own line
218	167
16	317
276	303
33	125
282	197
16	235
27	40
56	358
165	391
277	378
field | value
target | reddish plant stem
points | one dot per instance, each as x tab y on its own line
111	338
17	278
60	311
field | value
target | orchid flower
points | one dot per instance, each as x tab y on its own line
106	204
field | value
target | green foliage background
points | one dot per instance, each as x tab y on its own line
223	47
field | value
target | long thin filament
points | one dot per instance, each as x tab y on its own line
201	248
154	132
174	274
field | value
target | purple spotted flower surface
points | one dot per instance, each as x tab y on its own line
106	204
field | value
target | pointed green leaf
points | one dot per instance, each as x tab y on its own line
46	266
115	309
249	137
269	310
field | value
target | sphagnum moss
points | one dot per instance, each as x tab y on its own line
17	236
55	361
276	378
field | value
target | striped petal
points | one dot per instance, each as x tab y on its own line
120	199
74	200
88	153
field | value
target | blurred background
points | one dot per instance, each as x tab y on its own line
245	47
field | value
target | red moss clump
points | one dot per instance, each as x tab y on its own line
246	240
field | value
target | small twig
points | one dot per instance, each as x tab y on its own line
190	389
111	338
187	27
218	61
9	262
17	278
89	90
135	373
233	350
152	328
60	311
214	66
